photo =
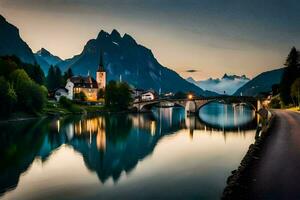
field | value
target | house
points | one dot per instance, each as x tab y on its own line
148	96
136	94
60	92
86	85
78	84
142	95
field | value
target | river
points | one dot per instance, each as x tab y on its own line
158	155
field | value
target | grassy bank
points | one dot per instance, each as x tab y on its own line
66	108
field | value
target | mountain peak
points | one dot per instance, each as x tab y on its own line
233	77
102	34
129	39
225	76
43	52
12	44
2	18
45	59
190	79
115	34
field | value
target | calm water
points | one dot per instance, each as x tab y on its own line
164	155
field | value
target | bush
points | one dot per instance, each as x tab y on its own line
80	96
64	102
69	105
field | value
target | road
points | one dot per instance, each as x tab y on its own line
278	173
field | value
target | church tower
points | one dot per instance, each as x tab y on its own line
101	74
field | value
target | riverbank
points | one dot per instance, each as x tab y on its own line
54	109
240	180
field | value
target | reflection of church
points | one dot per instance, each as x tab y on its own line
90	128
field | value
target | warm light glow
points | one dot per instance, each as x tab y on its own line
153	128
101	139
58	125
190	96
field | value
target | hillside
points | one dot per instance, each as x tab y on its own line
11	42
261	83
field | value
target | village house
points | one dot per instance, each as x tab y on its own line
86	85
142	95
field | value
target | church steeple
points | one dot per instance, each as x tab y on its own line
101	74
101	63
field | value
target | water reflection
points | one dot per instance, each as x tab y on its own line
228	116
110	145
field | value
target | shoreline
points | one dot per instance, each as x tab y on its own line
238	182
58	114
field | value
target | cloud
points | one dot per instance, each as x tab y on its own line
229	86
192	71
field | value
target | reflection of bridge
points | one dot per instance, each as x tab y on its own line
193	105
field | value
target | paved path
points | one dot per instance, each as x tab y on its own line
278	173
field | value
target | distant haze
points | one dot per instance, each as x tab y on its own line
228	84
197	38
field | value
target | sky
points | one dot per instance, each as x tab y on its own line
197	38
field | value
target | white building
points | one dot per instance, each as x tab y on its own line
148	96
87	85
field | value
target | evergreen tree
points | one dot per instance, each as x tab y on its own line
37	74
54	78
51	78
290	74
295	91
68	74
58	77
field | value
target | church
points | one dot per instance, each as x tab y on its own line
87	85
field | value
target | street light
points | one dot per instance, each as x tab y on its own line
190	96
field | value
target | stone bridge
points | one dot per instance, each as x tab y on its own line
193	105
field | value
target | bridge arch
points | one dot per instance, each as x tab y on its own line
194	105
191	107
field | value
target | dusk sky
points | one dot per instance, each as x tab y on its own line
199	38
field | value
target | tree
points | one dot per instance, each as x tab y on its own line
54	78
295	91
117	95
111	94
290	74
32	97
124	96
37	98
51	78
8	97
68	74
38	75
101	94
180	95
275	89
8	64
